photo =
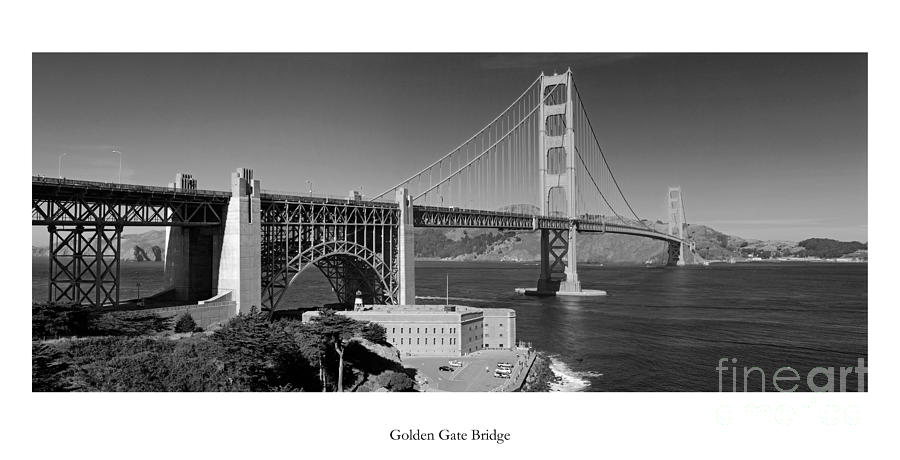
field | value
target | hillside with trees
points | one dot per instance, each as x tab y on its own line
75	349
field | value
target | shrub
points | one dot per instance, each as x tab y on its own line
395	381
49	369
129	323
185	323
152	364
51	321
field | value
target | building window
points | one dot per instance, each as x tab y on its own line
417	330
442	340
393	330
401	330
442	330
401	341
501	335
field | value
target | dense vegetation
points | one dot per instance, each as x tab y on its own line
828	249
52	321
433	243
249	353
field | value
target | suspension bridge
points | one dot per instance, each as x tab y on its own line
537	166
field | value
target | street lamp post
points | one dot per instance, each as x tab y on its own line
309	185
59	170
120	164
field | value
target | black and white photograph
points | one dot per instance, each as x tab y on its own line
607	234
626	222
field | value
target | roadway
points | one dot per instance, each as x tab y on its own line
476	374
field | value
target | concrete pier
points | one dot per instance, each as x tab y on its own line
240	266
407	259
192	255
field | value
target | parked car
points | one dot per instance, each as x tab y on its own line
501	370
455	363
445	369
501	375
505	365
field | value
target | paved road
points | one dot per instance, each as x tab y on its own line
477	373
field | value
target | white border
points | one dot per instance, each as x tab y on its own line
542	426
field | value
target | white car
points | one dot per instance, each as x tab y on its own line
456	363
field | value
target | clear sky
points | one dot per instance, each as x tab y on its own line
769	146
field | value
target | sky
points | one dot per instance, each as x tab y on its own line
766	146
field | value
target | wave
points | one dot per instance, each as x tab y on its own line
568	379
440	297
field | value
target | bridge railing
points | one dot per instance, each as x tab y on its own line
324	197
77	183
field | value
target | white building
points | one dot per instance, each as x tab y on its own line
439	330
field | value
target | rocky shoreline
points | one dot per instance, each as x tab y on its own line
541	376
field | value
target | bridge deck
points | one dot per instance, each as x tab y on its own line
46	188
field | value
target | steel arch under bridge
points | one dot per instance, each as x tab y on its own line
355	244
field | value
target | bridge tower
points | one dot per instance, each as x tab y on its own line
240	263
406	250
556	171
677	251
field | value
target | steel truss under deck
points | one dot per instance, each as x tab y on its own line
85	221
354	244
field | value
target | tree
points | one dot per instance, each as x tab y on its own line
185	323
268	354
374	332
339	331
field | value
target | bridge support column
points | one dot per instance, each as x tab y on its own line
407	255
240	266
84	264
571	283
192	255
677	251
554	248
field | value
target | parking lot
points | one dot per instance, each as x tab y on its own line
476	373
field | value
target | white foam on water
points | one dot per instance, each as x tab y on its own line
568	379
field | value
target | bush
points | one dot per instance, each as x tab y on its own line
49	369
52	321
395	381
129	323
185	323
151	364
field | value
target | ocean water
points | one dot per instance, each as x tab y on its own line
658	329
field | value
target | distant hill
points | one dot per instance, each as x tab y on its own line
135	246
827	248
524	246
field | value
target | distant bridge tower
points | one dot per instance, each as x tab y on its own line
556	170
677	251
